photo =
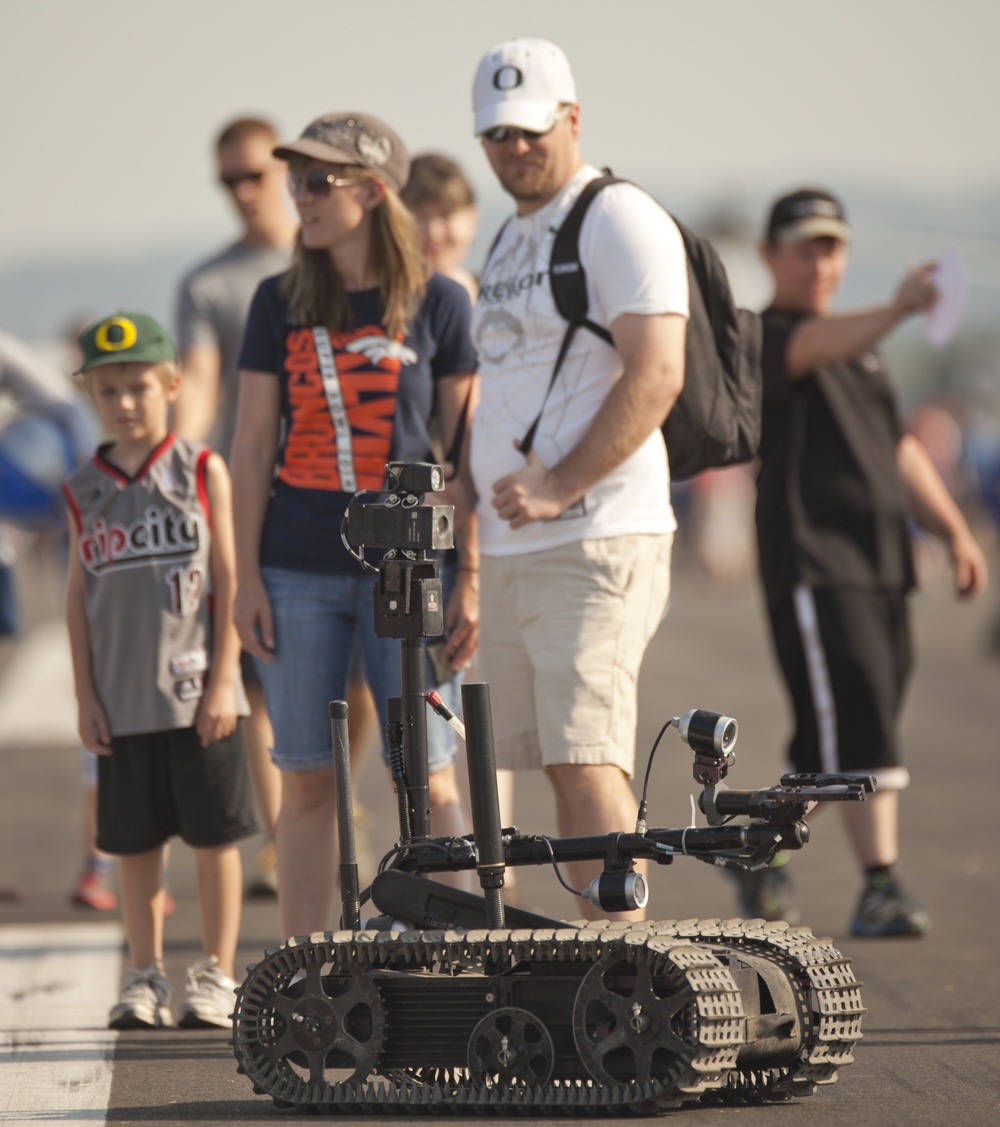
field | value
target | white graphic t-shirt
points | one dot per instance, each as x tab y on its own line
633	255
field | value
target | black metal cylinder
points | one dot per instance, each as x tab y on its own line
486	826
397	768
414	705
350	897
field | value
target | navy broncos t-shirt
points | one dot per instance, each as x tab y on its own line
350	402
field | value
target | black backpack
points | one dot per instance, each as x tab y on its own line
716	419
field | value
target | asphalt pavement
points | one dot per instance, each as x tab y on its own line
931	1048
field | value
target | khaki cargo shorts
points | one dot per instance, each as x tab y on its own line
563	635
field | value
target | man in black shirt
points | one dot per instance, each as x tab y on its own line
838	482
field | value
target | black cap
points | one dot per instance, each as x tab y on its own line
809	213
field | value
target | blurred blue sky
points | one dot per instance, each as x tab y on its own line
110	107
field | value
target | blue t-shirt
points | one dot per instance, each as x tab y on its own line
350	402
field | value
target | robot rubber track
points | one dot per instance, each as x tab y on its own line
616	1018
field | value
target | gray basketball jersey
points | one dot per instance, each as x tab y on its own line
144	548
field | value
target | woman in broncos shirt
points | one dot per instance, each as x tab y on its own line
346	357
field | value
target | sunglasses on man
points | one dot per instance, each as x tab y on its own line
500	134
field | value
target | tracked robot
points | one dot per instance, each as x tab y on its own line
430	999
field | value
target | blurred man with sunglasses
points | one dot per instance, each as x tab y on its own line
215	296
211	311
576	531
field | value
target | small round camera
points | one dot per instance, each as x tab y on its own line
618	892
709	733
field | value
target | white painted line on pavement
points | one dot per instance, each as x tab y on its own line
57	984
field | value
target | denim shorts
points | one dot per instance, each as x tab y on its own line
320	621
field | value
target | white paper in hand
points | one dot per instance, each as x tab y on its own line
941	320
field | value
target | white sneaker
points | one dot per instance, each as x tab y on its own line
210	996
144	1001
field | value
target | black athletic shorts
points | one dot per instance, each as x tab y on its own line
159	785
846	657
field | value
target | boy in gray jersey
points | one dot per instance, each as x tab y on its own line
156	664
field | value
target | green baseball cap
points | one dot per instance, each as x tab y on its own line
125	338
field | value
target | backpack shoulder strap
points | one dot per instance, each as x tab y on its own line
568	283
567	277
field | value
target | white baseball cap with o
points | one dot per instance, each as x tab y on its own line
522	82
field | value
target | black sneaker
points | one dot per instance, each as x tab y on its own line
764	893
886	910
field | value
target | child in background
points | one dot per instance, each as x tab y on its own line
442	201
156	665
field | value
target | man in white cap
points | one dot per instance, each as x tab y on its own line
576	531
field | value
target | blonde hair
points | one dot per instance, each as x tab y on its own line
166	371
316	294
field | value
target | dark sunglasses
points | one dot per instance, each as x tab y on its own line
238	178
503	133
316	182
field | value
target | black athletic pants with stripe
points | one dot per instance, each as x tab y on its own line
846	657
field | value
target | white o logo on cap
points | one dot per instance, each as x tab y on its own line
508	78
